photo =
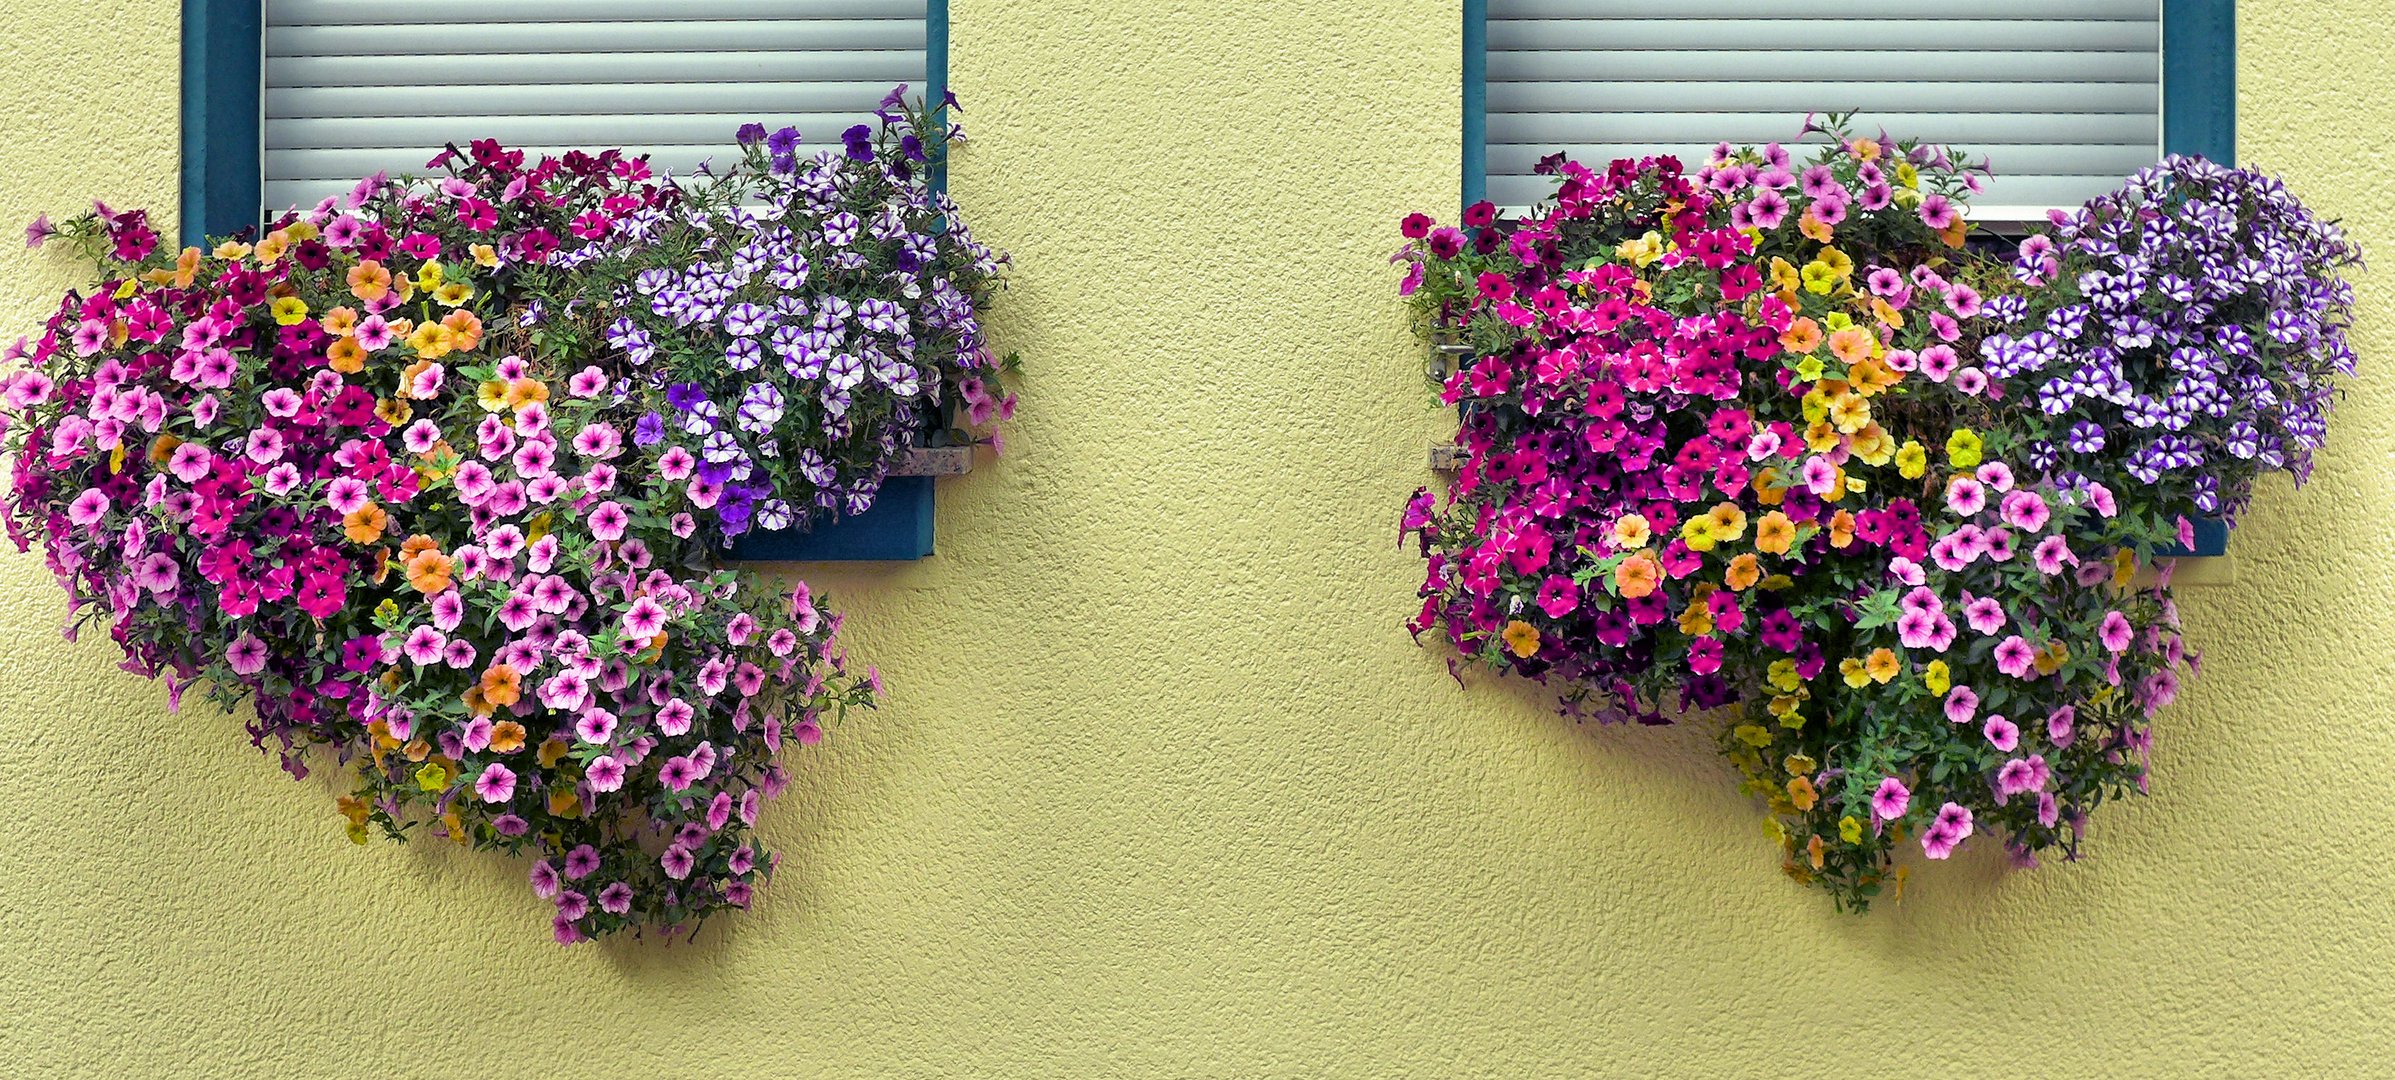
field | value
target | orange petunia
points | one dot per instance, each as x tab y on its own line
1852	345
364	524
1774	533
501	686
429	571
1880	665
1744	572
465	329
507	737
1637	576
1842	529
1522	638
1801	792
369	281
522	392
345	355
1802	336
565	802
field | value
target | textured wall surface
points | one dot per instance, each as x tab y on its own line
1161	787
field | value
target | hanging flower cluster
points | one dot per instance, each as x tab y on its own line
1769	435
362	472
804	318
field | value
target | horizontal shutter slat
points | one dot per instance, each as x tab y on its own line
1969	130
757	100
528	39
354	87
1769	66
1671	97
1754	11
1942	35
584	131
477	13
527	72
2063	96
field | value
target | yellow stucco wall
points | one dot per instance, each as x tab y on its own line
1160	787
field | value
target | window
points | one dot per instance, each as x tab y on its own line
288	101
2065	97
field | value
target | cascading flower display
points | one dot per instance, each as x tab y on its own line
1775	435
367	472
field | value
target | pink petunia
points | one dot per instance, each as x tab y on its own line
497	784
1890	799
1962	703
2016	657
2115	632
2001	733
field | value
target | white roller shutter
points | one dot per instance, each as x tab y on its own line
2063	96
353	86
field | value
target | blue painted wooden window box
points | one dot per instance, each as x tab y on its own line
2197	84
225	176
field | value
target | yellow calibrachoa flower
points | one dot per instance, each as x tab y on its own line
1631	531
1963	448
1697	533
1521	638
1782	676
1785	280
1852	671
1907	176
1850	830
1936	678
2124	568
431	341
1912	460
1873	445
491	395
453	293
1810	369
1886	314
1697	619
1838	261
1850	413
1643	251
1726	521
432	777
1819	277
485	256
232	250
289	311
430	275
1766	484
